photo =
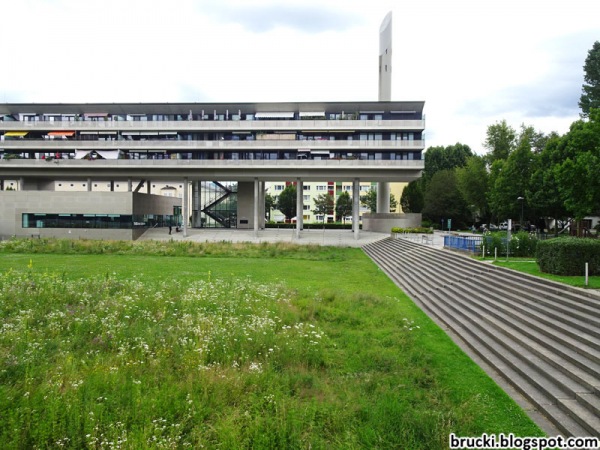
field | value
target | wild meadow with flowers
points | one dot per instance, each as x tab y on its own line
257	346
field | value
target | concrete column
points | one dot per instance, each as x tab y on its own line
196	222
356	207
129	185
299	206
89	185
2	183
112	185
383	197
148	187
261	205
256	203
185	209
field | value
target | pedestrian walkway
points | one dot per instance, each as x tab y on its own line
339	238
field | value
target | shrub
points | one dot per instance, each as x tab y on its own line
568	255
421	230
521	244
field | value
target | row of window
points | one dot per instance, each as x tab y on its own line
97	221
201	136
205	115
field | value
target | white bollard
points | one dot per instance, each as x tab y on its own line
586	274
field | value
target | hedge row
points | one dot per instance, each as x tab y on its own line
421	230
568	255
312	226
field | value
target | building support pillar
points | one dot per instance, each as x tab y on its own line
299	207
185	206
196	220
256	205
383	197
261	205
89	185
148	187
112	185
356	207
129	185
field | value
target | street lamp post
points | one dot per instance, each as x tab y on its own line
521	222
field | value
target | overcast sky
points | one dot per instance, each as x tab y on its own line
473	62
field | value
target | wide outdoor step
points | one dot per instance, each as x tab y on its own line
488	350
544	337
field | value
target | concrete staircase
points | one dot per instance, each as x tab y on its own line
542	337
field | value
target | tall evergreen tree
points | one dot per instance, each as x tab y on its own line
590	97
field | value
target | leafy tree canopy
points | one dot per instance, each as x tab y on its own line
473	180
590	97
444	201
500	141
443	158
343	206
323	205
369	200
286	202
412	197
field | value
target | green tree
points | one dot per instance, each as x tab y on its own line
577	174
472	181
323	205
590	97
510	181
412	197
343	206
543	194
443	158
286	202
444	201
500	141
369	200
269	205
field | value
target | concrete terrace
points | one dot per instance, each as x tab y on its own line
340	238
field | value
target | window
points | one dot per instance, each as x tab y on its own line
306	198
278	187
306	187
321	188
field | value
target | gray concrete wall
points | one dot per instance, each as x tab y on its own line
383	223
154	204
14	203
245	205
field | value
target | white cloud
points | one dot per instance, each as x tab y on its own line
472	62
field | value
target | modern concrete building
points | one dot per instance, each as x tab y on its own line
114	149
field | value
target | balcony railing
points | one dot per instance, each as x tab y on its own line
43	145
217	125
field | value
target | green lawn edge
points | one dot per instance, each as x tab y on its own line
366	330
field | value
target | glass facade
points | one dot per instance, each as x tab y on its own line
97	221
219	204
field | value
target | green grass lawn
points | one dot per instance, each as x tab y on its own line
528	265
249	349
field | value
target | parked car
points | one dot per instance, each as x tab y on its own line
503	226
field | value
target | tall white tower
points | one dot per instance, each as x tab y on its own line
385	59
385	95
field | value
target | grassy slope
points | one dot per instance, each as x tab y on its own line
390	389
531	267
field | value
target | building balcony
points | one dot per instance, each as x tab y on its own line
241	170
219	125
64	145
